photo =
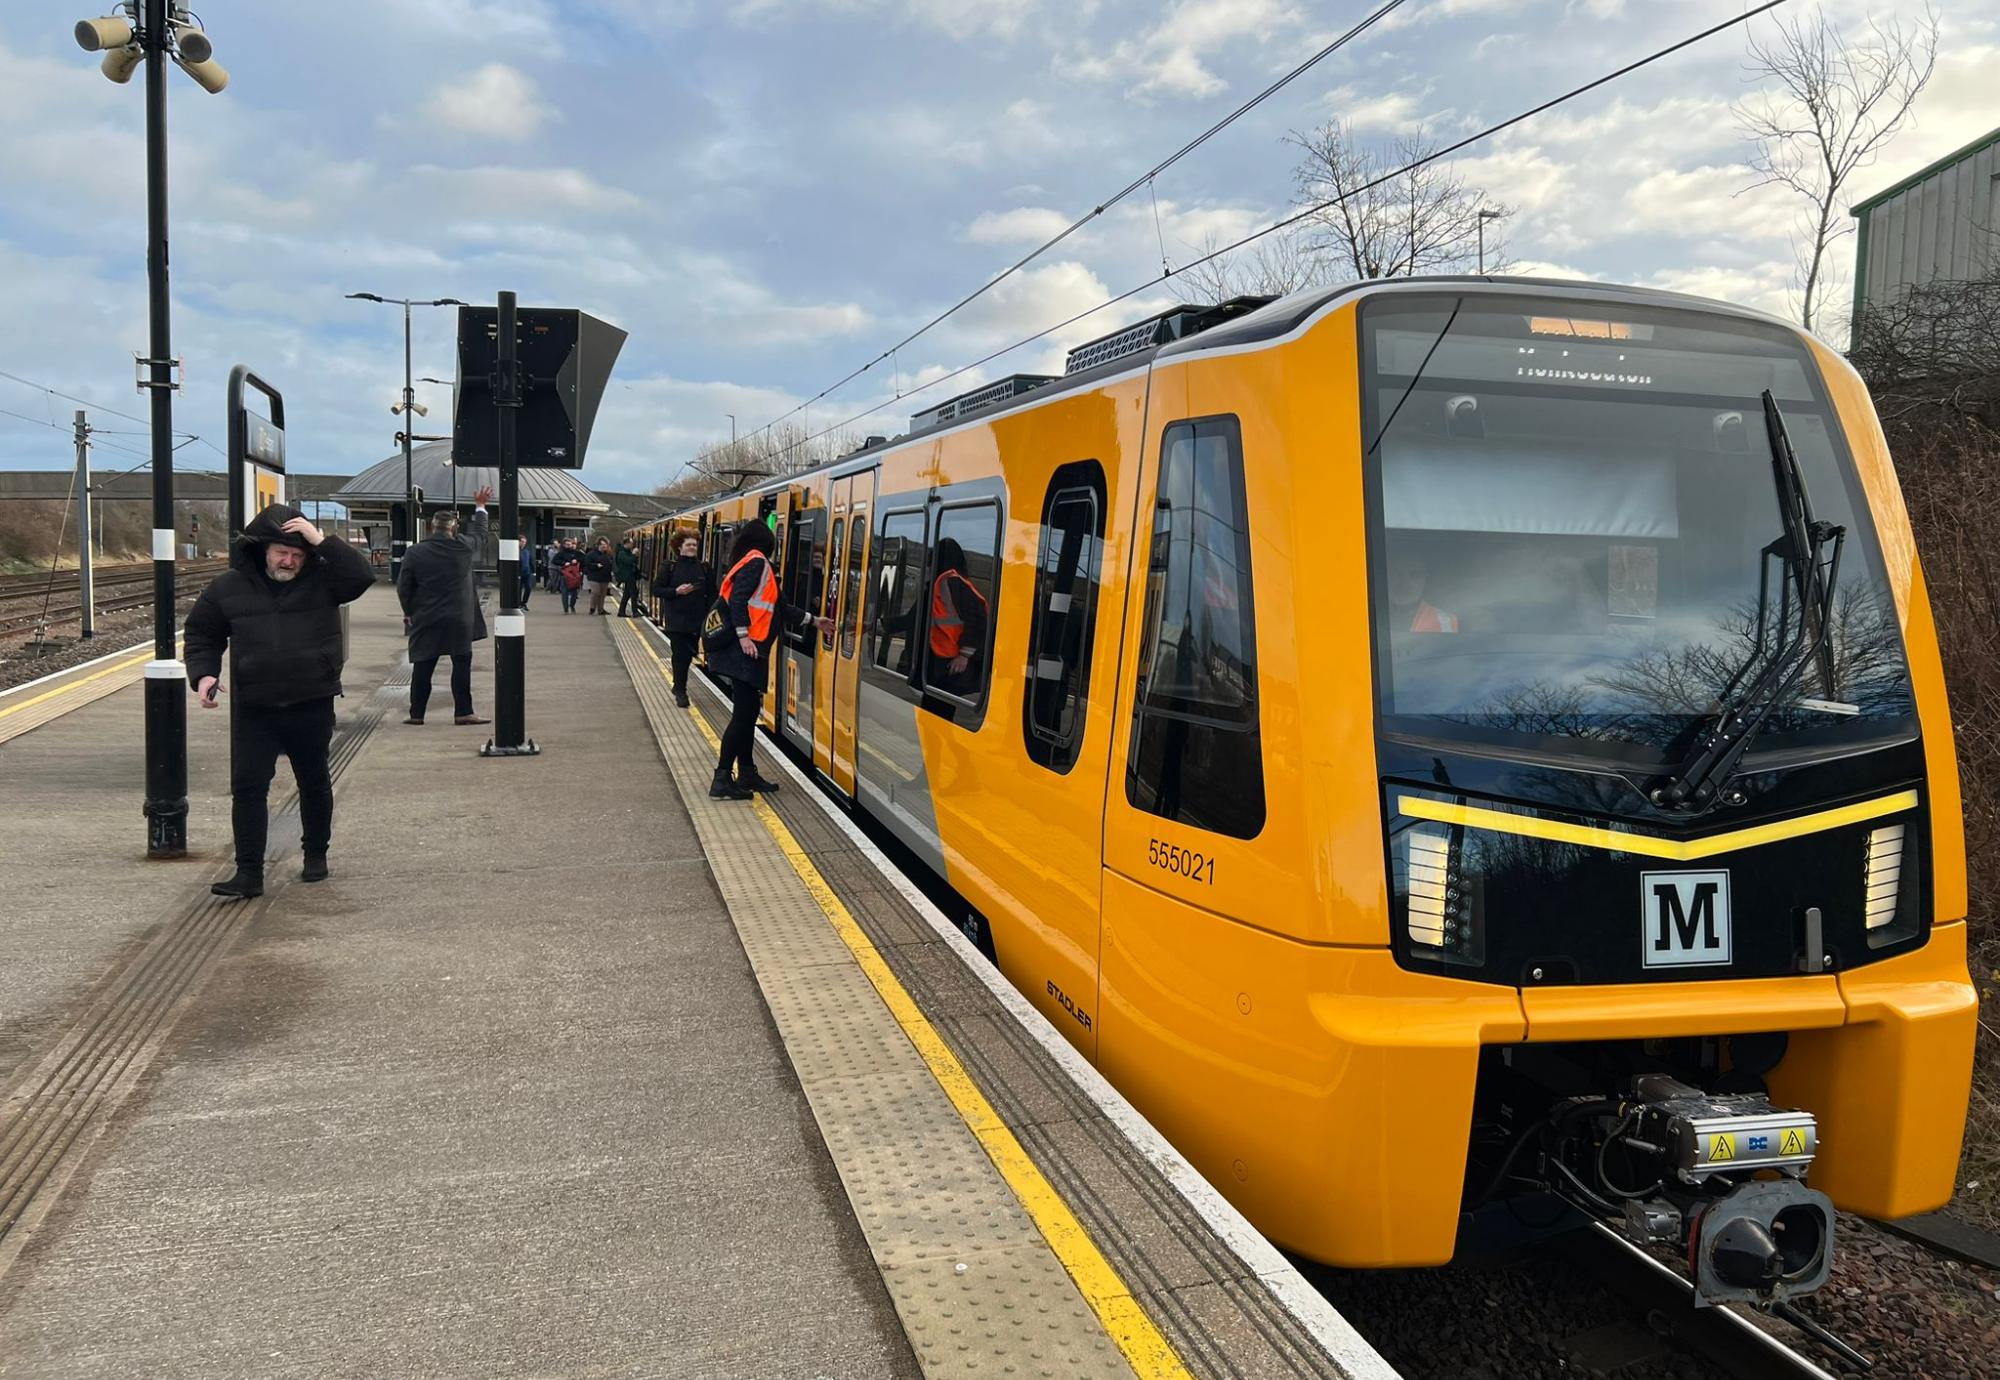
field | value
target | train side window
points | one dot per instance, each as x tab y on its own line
965	568
1064	621
850	612
900	557
1197	754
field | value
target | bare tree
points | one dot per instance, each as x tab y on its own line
786	447
1275	266
1834	108
1377	222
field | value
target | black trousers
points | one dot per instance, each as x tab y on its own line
683	644
461	684
739	739
304	733
630	598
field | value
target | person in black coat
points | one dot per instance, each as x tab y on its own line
441	609
756	613
685	587
278	608
598	568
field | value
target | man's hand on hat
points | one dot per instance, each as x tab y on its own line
300	527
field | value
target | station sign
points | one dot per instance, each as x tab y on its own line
256	449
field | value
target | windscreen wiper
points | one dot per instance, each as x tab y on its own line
1810	550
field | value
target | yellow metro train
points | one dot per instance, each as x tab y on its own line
1428	741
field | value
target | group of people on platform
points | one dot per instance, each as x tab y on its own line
277	609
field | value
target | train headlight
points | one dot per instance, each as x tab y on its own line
1884	876
1440	910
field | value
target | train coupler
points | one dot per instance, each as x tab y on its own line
1718	1175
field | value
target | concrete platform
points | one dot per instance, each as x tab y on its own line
564	1072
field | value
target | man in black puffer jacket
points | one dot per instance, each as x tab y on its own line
278	604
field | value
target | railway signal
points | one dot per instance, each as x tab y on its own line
542	372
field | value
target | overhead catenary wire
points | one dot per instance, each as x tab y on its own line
1289	221
1142	180
95	407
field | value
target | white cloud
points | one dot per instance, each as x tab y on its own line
496	101
1024	225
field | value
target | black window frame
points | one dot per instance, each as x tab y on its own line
1175	734
872	664
971	711
1048	746
854	576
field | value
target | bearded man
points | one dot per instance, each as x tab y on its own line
278	605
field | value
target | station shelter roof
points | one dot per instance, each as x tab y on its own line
431	470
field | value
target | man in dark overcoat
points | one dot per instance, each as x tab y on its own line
278	608
441	609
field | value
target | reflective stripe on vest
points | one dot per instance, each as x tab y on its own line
947	628
763	603
1433	620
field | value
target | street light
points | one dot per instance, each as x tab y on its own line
410	514
154	32
1484	216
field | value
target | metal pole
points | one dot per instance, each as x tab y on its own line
409	425
510	669
86	594
166	677
1482	241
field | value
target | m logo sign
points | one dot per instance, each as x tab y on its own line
1685	918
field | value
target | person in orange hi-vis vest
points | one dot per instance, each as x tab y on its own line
755	613
958	623
1409	611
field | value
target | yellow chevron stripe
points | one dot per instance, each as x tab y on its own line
1645	845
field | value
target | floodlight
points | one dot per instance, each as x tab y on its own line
120	63
94	35
193	44
209	76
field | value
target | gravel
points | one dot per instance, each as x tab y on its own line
1534	1314
115	632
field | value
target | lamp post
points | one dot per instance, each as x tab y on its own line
450	461
155	32
1484	216
407	406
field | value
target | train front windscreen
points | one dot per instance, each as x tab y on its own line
1578	539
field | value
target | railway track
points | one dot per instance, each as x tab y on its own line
31	601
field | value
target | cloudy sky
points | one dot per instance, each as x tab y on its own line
768	193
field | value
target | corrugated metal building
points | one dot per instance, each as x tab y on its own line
1940	222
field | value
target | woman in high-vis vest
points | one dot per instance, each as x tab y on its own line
958	623
756	612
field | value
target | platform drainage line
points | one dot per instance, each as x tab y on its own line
83	1069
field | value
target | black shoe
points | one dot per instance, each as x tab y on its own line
314	869
243	885
758	783
417	719
681	698
722	788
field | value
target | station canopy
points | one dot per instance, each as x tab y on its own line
380	486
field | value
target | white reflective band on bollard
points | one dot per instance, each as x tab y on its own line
166	670
510	625
163	543
510	549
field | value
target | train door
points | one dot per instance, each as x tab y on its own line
823	670
803	579
852	557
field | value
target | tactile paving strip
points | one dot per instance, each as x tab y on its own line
978	1290
1208	1301
57	1107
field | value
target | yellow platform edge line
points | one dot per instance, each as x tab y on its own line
7	711
1125	1321
1645	845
